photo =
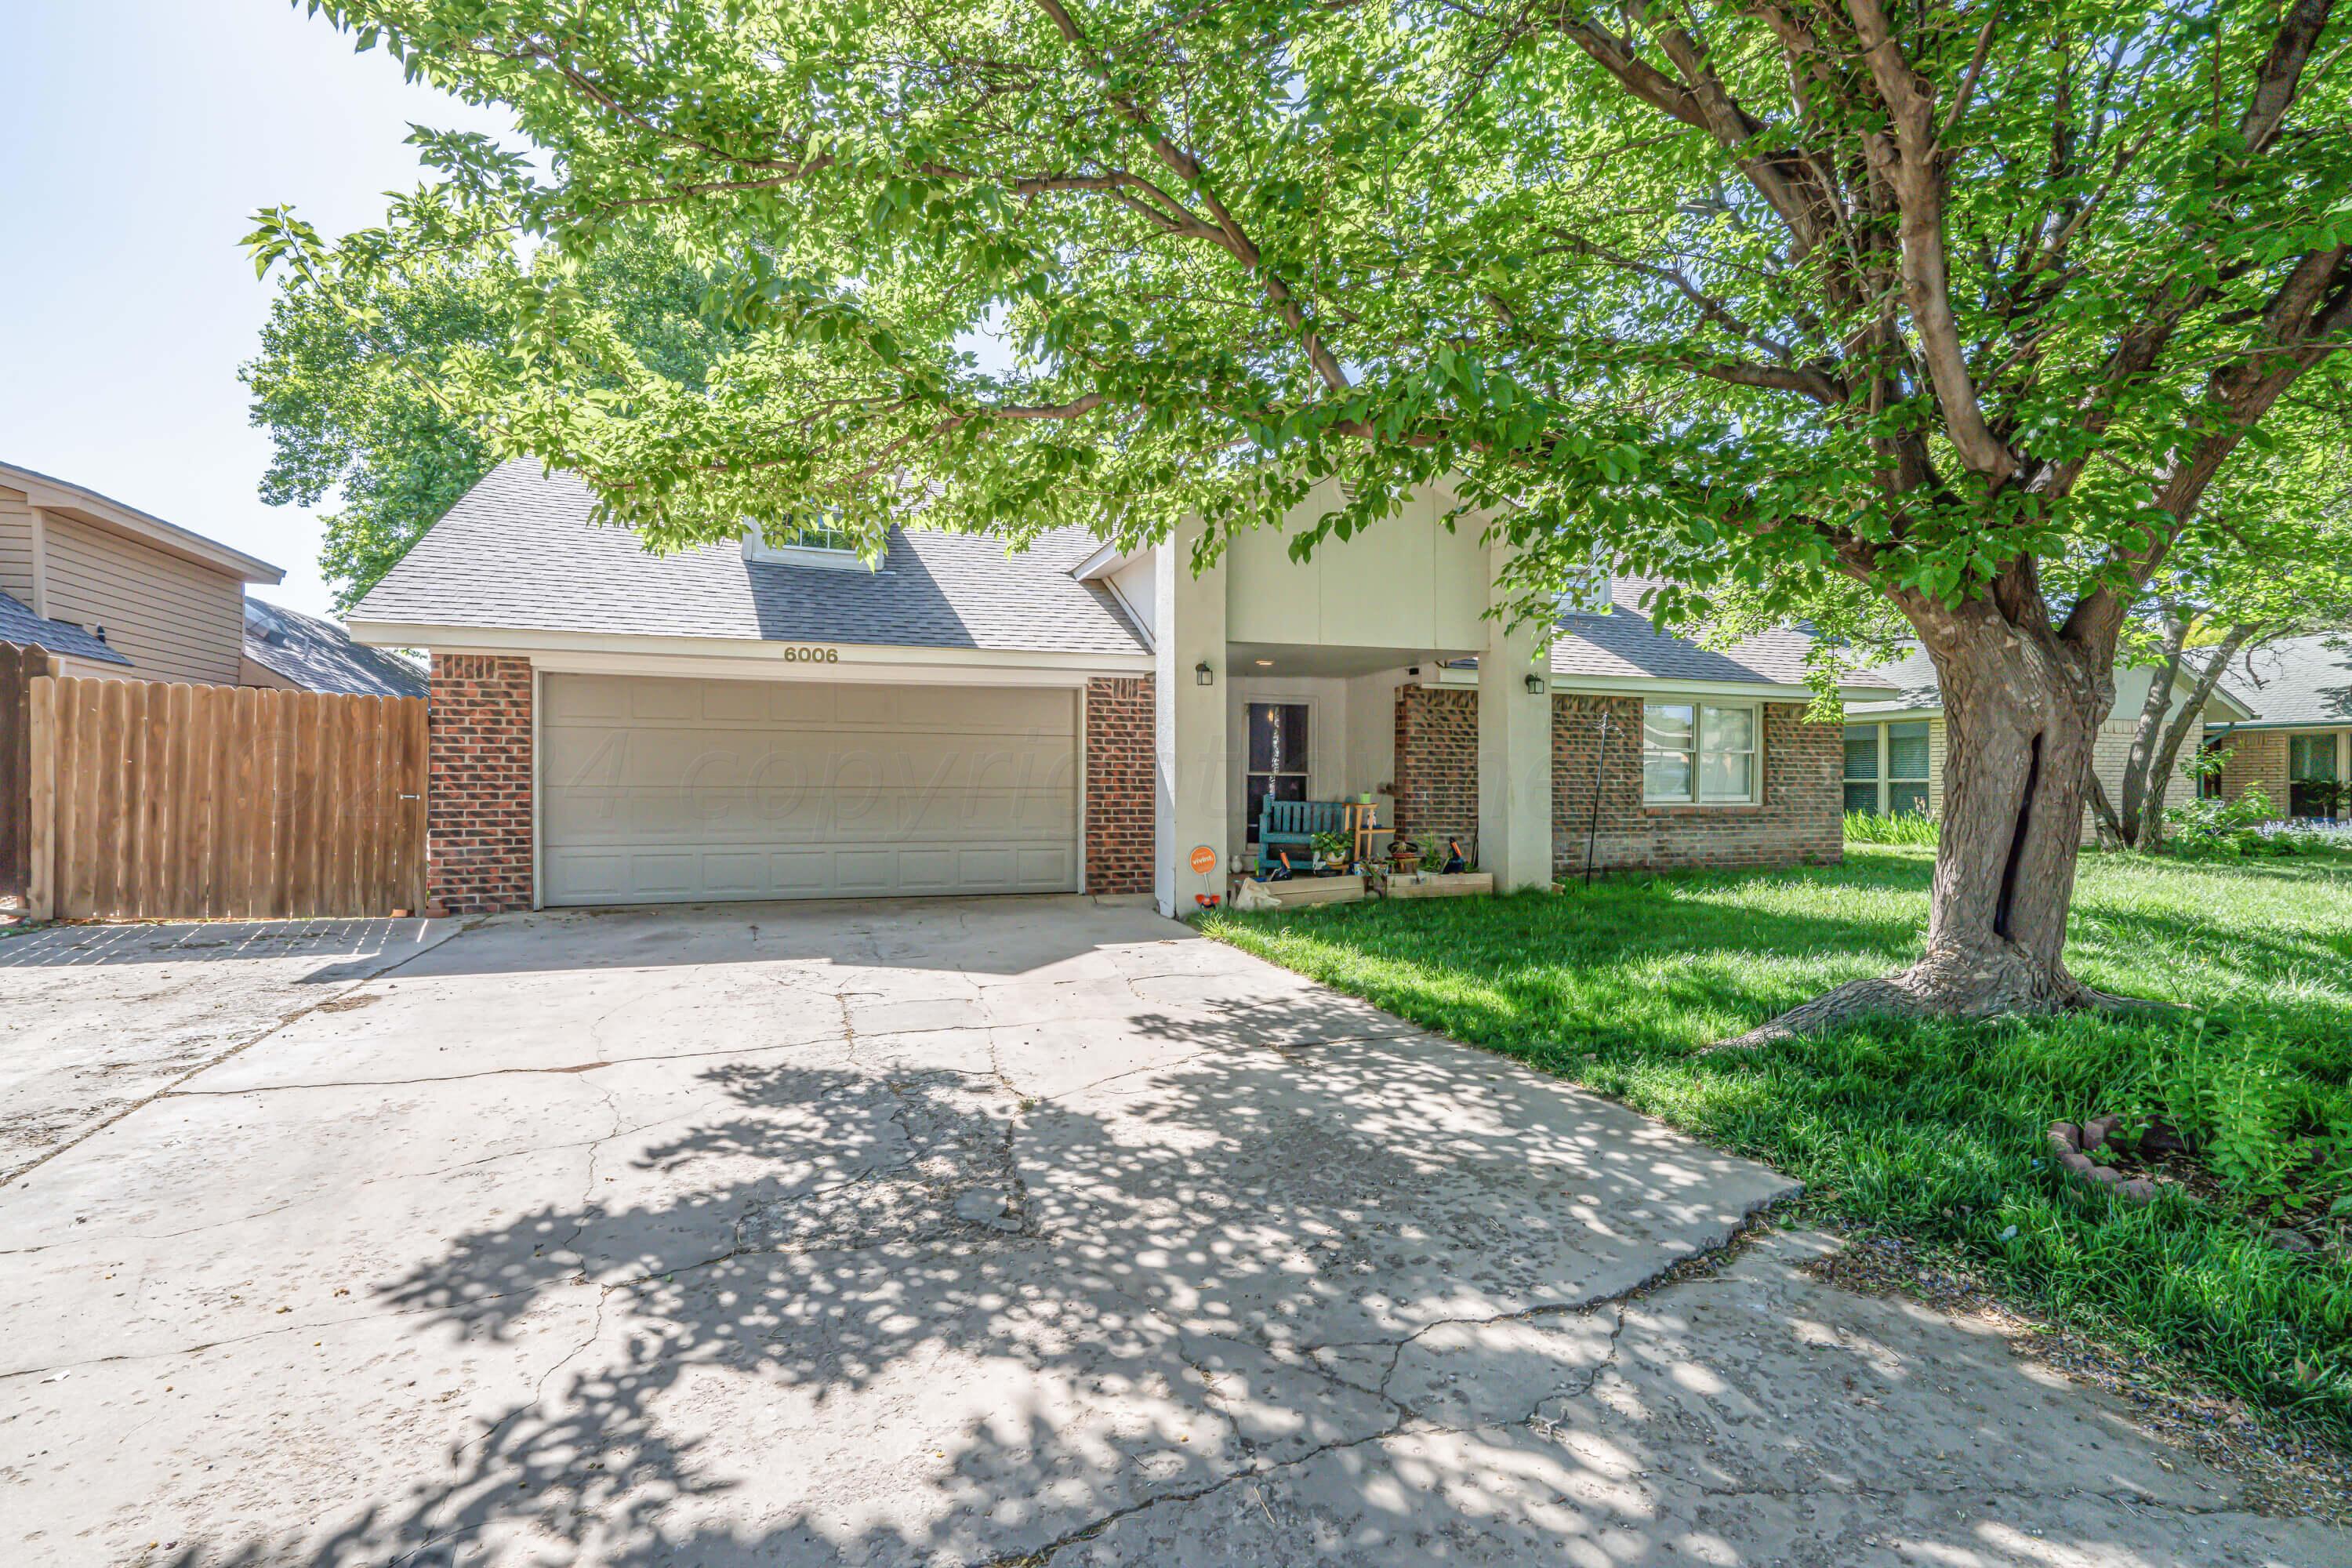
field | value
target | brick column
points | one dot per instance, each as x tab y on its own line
1436	760
1120	719
478	808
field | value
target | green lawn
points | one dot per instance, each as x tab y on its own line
1935	1132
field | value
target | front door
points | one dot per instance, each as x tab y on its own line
1277	757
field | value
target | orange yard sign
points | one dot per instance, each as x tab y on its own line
1204	860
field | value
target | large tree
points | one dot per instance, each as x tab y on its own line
1944	313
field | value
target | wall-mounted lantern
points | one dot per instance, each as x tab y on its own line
1202	675
1535	686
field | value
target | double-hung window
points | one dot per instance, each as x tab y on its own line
1886	768
1699	753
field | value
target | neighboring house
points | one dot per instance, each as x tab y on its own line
780	720
165	604
2296	733
1895	750
289	651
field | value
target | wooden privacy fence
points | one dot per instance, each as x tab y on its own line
156	802
18	667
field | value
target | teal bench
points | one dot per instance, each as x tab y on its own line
1292	825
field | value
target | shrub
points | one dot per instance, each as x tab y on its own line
1904	827
2209	825
2276	1140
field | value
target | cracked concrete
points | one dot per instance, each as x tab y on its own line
1020	1230
199	992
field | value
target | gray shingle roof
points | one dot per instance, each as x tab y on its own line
1627	644
2297	680
519	551
320	656
21	626
1913	676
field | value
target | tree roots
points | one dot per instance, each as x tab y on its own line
1956	985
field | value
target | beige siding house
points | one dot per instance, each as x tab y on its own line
168	602
1895	751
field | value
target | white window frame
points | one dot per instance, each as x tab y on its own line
1700	707
820	543
1886	780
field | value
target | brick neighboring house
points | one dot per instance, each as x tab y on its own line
2295	740
783	719
1893	759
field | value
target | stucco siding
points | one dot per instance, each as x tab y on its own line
174	619
15	546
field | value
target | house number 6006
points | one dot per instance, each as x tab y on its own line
812	656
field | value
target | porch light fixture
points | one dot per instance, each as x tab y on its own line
1202	675
1264	663
1535	686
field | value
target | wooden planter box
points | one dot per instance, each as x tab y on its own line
1438	884
1300	891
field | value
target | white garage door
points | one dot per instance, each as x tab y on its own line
658	790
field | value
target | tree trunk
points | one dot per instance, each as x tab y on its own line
2176	734
2132	824
2020	709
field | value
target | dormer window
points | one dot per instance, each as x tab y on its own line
1590	591
822	543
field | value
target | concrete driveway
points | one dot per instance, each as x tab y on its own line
971	1232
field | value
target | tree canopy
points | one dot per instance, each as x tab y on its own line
1745	295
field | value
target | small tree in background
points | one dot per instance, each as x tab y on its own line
351	384
1951	314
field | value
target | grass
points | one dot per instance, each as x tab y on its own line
1935	1132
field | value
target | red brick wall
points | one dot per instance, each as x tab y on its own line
478	805
1436	760
1798	820
1119	792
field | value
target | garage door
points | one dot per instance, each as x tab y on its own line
658	790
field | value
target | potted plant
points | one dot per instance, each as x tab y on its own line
1331	851
1404	856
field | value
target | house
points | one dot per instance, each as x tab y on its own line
784	720
286	650
1894	749
2295	735
108	590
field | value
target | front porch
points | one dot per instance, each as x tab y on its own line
1287	680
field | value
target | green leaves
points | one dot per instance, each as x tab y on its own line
967	267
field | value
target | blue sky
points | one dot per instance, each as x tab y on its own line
136	139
